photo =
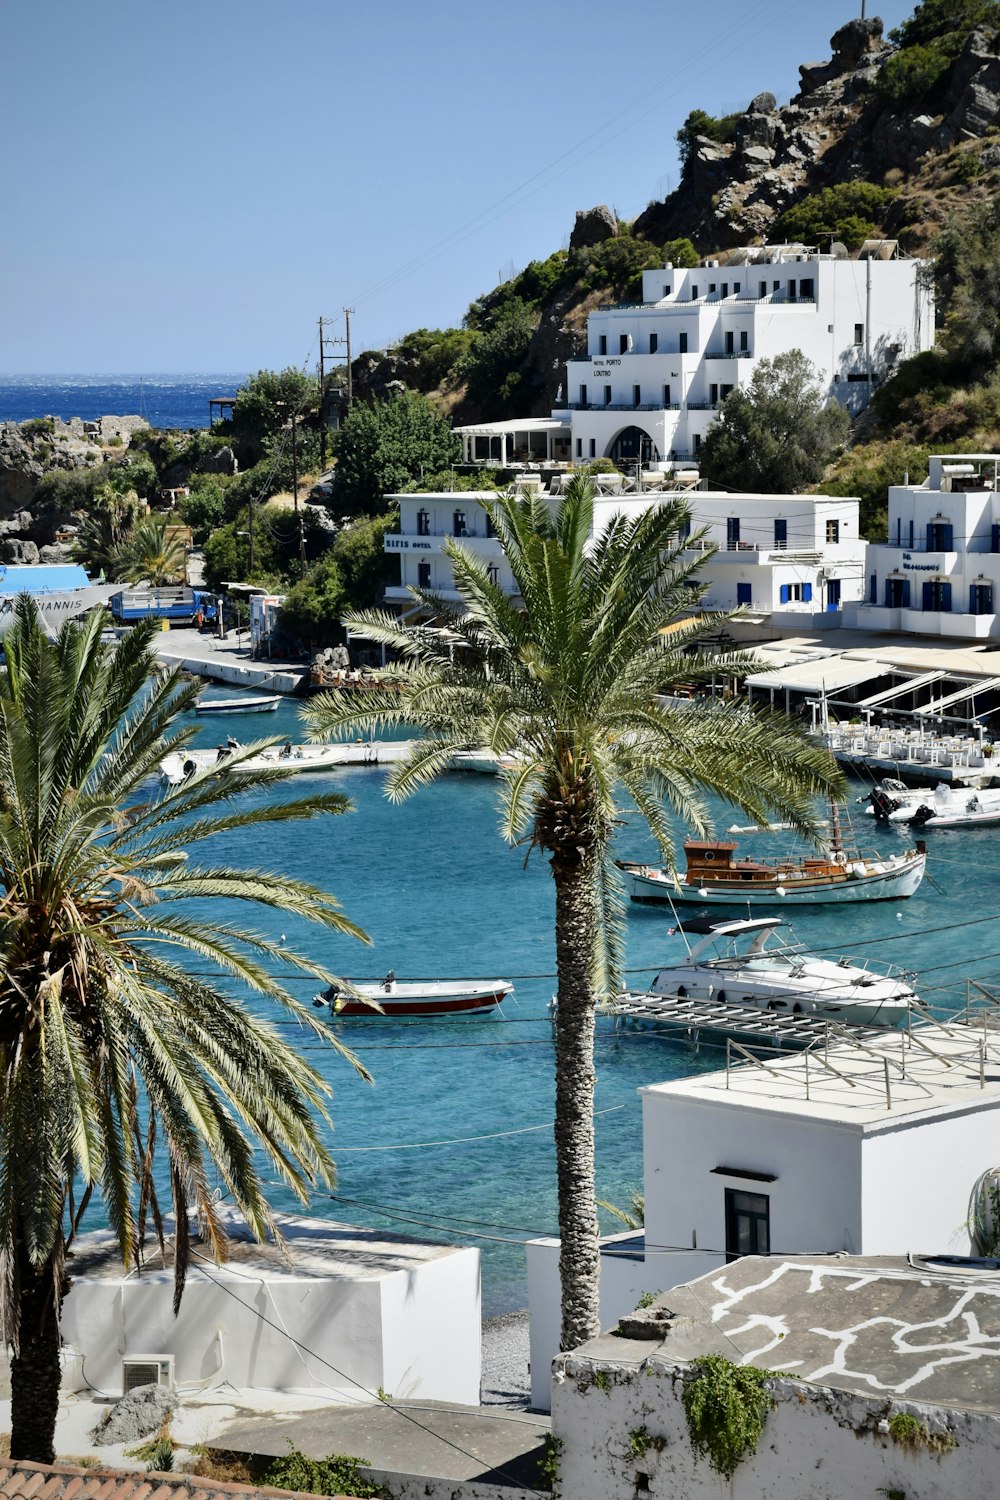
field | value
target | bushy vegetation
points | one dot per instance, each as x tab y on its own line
493	366
720	129
338	1474
434	354
384	445
867	472
778	433
263	409
850	212
351	575
929	41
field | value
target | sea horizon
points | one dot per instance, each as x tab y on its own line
176	399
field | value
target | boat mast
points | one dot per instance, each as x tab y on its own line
836	839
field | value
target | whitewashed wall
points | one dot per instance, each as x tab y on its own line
818	1444
413	1332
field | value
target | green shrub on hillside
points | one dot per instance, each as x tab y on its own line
929	41
493	368
720	129
850	211
867	472
435	352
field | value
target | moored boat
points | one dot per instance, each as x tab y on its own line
244	705
416	998
286	759
715	876
746	962
958	807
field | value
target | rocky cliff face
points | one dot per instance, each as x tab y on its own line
838	128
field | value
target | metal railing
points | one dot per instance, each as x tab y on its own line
731	354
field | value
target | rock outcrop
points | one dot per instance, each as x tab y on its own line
593	226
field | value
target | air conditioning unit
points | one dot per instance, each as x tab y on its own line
147	1369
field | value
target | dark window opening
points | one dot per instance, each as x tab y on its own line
744	341
697	442
980	599
682	343
458	523
732	532
583	395
748	1224
833	593
859	333
937	595
623	343
607	395
423	523
636	395
744	593
654	340
424	575
833	531
940	536
666	402
729	343
780	532
593	448
604	344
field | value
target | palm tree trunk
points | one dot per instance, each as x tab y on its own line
579	1256
35	1371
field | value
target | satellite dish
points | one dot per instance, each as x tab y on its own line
838	250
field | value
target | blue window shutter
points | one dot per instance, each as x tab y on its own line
947	538
930	536
995	539
807	593
785	593
744	593
928	594
905	600
945	597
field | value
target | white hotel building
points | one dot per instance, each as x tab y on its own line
656	372
939	572
787	558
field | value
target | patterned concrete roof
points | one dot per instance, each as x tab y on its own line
24	1481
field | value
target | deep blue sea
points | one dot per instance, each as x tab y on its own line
454	1137
164	400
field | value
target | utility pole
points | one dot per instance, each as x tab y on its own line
251	537
347	341
295	496
322	403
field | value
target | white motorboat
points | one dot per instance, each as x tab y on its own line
746	963
891	801
244	705
959	807
286	759
416	998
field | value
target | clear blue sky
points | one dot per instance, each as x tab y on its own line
187	186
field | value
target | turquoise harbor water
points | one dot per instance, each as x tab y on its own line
454	1138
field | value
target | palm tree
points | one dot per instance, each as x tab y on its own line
109	1043
567	684
151	554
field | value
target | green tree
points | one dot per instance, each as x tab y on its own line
204	508
109	1043
227	554
263	407
699	124
776	434
568	685
493	369
312	607
850	211
152	554
108	525
386	443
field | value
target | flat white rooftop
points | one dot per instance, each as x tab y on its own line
314	1249
909	652
932	1070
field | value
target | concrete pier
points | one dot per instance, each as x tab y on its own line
228	660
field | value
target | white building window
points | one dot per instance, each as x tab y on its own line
833	531
859	333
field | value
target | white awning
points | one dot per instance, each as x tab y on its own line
906	686
984	685
831	675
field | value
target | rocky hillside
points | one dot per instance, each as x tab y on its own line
893	137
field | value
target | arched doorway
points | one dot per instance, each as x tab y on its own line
633	445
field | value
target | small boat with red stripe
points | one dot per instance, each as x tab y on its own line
415	998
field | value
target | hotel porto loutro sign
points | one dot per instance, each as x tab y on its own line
919	567
602	367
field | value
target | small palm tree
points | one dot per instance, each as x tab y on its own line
152	554
568	685
109	1044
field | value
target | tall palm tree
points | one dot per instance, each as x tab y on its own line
151	554
109	1041
567	684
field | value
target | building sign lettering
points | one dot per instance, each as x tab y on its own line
599	363
921	567
405	544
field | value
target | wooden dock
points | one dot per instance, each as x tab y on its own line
693	1020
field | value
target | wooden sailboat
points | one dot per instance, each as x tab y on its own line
715	876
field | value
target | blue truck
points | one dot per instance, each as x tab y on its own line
180	606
